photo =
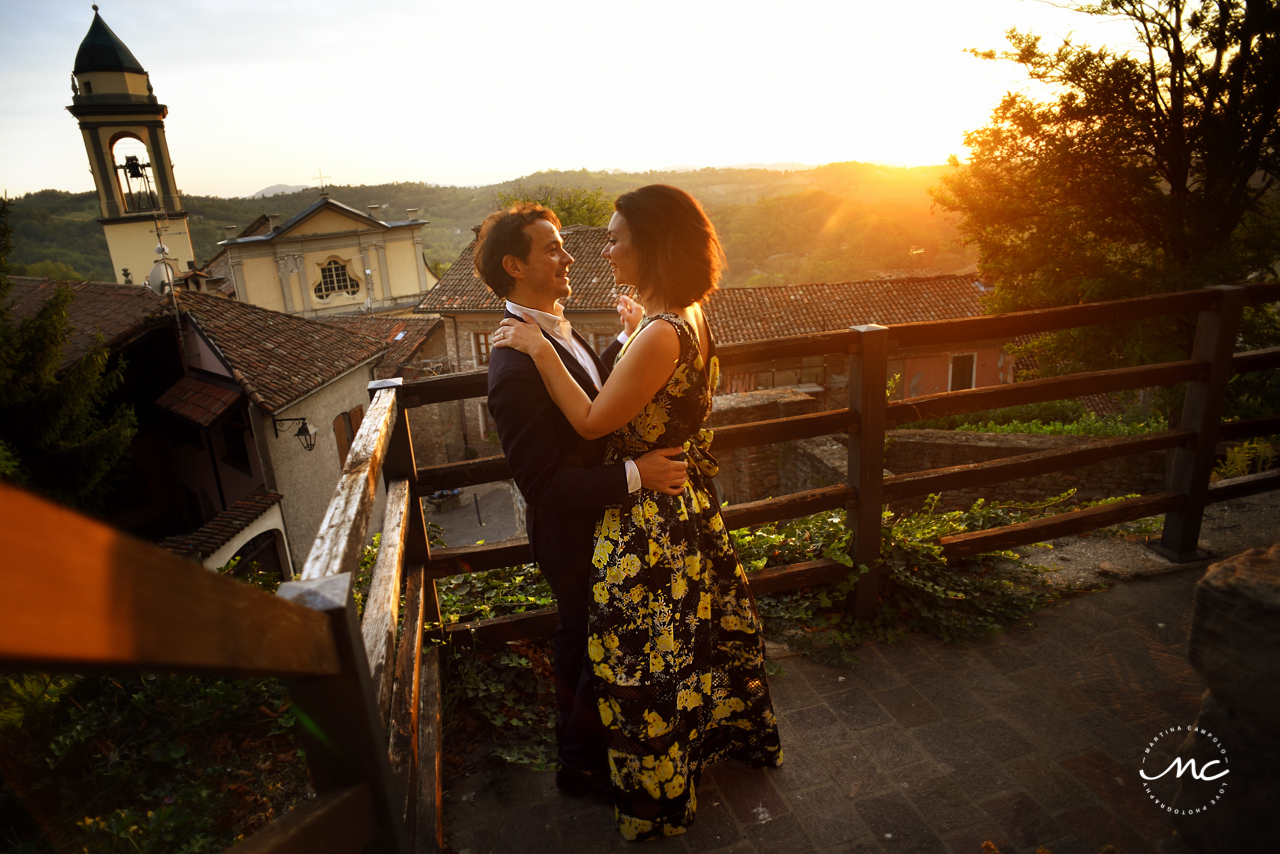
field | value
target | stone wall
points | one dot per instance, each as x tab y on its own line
823	461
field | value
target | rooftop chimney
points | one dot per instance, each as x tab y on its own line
274	221
413	214
373	210
231	231
191	265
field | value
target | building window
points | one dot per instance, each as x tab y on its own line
345	427
963	367
481	340
334	279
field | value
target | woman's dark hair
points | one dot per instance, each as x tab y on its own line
501	234
679	254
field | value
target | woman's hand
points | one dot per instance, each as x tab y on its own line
520	335
630	313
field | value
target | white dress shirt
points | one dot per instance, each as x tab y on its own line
558	328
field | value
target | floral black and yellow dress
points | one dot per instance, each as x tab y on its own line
675	637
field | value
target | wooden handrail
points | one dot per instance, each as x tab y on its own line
337	820
382	605
92	597
341	537
898	487
733	436
1256	360
1039	391
1268	425
1050	527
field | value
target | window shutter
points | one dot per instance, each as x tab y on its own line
357	415
340	434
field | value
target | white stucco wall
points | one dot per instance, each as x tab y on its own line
273	518
308	479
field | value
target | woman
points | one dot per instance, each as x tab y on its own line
675	637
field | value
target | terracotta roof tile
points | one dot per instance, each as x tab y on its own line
460	289
755	314
412	332
198	400
276	358
218	531
119	312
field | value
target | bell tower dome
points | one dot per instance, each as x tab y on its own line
123	129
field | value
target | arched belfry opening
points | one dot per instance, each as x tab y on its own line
122	124
132	162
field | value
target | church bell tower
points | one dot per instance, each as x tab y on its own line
123	129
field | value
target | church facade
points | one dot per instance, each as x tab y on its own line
329	259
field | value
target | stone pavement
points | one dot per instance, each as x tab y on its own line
1026	739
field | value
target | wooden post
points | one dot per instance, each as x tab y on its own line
400	465
341	727
1189	468
867	368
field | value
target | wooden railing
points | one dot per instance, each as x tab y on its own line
369	691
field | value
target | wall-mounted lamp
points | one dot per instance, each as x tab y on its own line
305	434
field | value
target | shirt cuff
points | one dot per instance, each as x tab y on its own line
622	339
633	475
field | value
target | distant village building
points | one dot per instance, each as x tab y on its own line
245	415
760	314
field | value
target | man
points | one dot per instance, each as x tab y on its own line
521	257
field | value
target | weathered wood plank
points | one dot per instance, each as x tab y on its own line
530	624
346	736
1257	293
791	506
1038	391
905	336
430	820
751	352
337	821
459	386
779	579
469	473
1189	468
382	606
404	710
1256	360
867	371
1249	428
781	430
1078	521
456	561
341	537
1239	487
91	597
909	485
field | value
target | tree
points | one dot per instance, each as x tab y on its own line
51	270
54	437
573	205
1141	174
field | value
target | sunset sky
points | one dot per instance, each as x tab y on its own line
471	92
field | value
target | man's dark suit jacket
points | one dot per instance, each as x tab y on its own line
566	488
